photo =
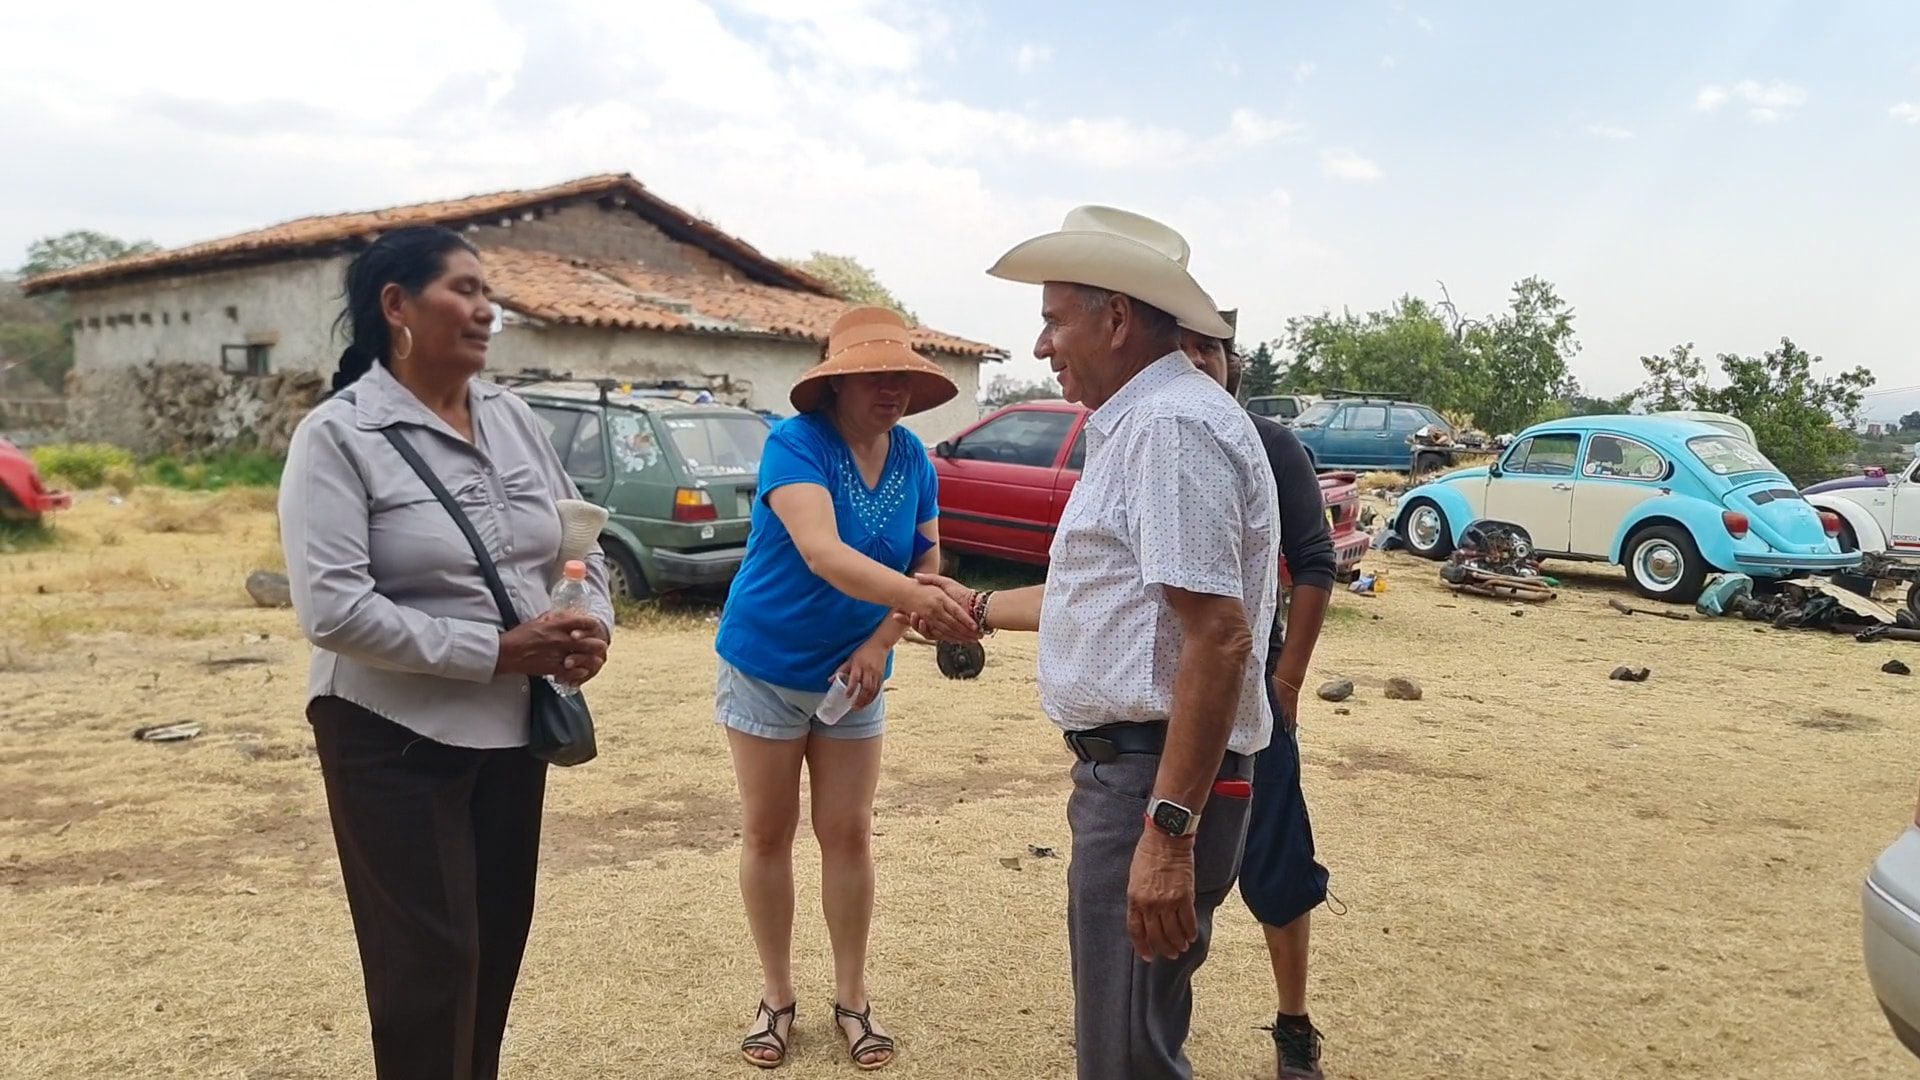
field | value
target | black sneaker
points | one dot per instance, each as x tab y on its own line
1299	1049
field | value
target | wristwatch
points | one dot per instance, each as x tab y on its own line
1172	818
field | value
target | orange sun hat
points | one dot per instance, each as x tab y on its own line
871	341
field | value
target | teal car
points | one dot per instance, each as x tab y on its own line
677	475
1365	434
1671	500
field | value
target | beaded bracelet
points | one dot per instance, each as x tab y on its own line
979	612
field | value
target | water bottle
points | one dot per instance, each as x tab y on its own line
570	598
838	702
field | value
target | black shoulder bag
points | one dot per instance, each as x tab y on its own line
560	729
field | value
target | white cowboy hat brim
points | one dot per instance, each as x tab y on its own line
1117	263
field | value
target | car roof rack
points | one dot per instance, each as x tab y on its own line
662	388
1336	394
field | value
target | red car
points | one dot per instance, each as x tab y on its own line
1004	481
23	496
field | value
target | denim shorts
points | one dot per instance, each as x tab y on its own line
754	707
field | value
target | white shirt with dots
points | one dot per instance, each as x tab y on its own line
1176	493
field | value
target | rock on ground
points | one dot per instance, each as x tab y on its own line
269	590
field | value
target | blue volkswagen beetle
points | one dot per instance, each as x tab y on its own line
1671	500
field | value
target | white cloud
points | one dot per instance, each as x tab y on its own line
1772	95
1424	23
1767	102
1389	62
1710	98
824	133
1609	131
1345	164
1906	112
1304	70
1030	56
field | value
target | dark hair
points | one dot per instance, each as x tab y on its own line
410	258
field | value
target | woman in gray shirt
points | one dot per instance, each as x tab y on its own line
419	701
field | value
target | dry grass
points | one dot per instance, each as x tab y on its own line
161	511
1545	874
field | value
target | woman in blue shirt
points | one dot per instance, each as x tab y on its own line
846	512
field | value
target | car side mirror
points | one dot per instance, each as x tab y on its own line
943	449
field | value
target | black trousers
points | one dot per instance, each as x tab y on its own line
439	846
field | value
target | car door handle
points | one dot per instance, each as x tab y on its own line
1382	435
1563	487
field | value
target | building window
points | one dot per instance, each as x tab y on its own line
245	359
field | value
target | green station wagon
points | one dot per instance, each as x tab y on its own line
676	471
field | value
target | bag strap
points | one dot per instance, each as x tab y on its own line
509	618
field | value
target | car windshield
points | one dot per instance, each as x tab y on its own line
717	445
1315	416
1727	455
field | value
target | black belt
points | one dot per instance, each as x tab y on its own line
1105	744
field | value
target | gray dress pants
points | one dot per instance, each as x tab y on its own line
1130	1016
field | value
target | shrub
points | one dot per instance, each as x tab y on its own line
83	465
217	472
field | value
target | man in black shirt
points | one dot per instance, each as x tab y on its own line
1280	880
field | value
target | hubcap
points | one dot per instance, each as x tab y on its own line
1659	564
1425	528
617	582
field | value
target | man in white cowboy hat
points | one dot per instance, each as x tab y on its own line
1163	564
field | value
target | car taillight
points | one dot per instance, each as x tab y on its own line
693	504
1736	523
1830	521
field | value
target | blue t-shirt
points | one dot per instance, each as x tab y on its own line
783	624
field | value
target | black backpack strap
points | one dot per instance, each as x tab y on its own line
508	617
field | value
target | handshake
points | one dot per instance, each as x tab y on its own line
942	609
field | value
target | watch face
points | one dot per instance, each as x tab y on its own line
1170	818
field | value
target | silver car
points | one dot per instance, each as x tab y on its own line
1890	929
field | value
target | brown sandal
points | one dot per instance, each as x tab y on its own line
770	1039
869	1042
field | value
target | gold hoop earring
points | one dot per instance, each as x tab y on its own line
399	354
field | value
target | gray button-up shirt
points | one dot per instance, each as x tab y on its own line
385	585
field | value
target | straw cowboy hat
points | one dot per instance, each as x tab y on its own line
869	341
1122	252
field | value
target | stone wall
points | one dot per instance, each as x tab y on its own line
585	231
189	409
287	307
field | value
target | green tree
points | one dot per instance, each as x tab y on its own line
33	338
1406	351
1802	421
1910	422
852	280
1517	360
78	248
1006	390
1262	375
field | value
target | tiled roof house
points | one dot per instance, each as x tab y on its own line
596	276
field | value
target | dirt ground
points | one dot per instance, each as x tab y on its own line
1541	873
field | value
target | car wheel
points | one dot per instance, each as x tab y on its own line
1665	564
1425	529
623	573
1913	600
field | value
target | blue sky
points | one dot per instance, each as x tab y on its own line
1723	173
